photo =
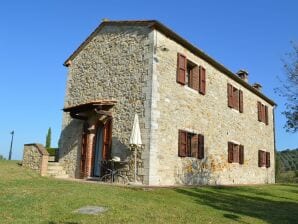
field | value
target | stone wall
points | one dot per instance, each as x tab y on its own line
180	107
35	157
115	65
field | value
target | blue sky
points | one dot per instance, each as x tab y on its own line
37	36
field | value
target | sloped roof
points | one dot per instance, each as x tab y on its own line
154	24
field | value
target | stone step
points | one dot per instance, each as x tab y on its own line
53	164
62	176
55	168
56	172
51	159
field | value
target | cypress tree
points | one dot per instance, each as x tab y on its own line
48	138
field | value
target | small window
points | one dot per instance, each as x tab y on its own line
190	74
264	159
263	113
190	145
235	153
191	80
235	98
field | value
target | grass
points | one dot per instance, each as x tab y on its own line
27	198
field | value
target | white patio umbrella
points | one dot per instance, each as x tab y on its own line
135	141
135	138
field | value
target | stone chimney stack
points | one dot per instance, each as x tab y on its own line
242	74
257	86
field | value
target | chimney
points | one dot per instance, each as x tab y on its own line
257	86
242	74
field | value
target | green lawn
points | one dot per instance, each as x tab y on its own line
27	198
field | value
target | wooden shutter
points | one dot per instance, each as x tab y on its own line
236	153
107	140
263	113
230	95
241	154
194	146
195	78
202	88
230	152
240	101
267	159
259	111
266	115
260	158
181	69
235	98
201	152
83	152
182	143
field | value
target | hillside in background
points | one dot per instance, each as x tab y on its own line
288	159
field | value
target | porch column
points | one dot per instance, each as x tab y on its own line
89	151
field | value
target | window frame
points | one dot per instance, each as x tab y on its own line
194	78
264	158
262	111
235	153
190	136
235	98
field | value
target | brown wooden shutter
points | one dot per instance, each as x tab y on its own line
240	101
266	115
263	113
195	78
267	159
194	146
83	169
181	69
260	158
230	152
107	140
241	154
230	95
202	88
182	143
235	98
201	152
259	111
236	153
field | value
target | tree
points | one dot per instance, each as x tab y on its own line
2	157
289	89
48	138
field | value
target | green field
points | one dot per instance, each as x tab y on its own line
27	198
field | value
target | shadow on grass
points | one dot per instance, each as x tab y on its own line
51	222
230	200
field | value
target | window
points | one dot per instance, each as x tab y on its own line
188	73
190	145
235	98
235	153
263	113
192	75
264	159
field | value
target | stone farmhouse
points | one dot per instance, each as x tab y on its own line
200	123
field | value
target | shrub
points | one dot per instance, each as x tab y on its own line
52	151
